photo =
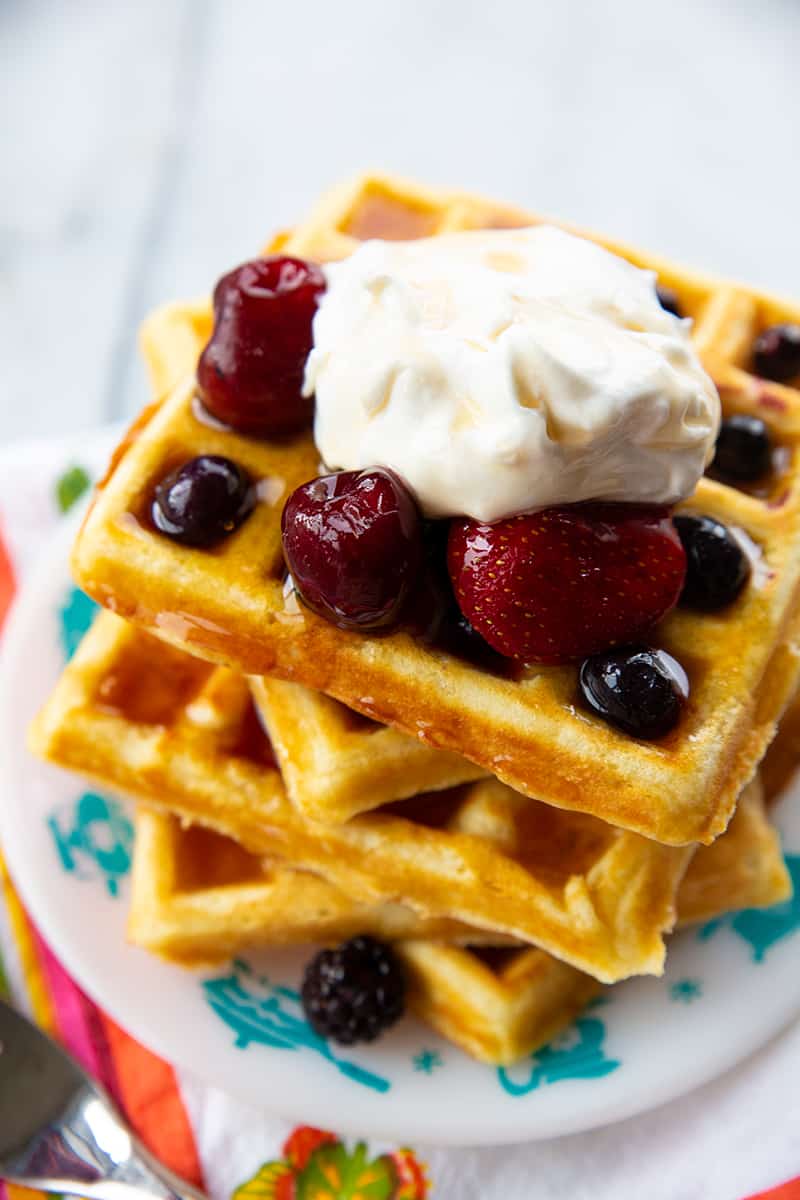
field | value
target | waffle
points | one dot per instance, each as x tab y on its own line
500	1005
743	869
179	735
779	765
336	763
230	605
199	896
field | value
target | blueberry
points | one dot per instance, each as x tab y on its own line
354	992
636	689
717	567
744	448
668	299
202	501
776	353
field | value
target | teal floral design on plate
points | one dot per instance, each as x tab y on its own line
578	1053
94	840
261	1013
427	1061
761	928
75	616
684	991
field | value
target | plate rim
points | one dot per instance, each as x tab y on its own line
317	1105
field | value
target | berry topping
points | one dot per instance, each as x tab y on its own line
668	299
250	374
351	994
640	691
717	567
456	636
353	544
744	448
431	614
202	501
557	585
776	353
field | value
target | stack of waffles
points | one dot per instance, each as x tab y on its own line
297	783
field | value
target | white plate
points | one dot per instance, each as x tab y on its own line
728	988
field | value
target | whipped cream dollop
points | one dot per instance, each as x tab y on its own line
503	371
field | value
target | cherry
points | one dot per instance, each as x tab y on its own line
353	545
250	375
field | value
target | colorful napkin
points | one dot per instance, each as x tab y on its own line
723	1142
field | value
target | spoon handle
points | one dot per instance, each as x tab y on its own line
89	1152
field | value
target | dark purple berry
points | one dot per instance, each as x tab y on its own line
717	567
202	501
250	375
638	690
776	353
668	299
744	448
353	545
355	992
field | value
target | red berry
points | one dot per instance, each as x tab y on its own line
563	583
353	544
250	374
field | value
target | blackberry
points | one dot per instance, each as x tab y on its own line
351	994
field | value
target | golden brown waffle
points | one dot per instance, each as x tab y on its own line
500	1005
174	733
336	763
230	605
743	869
781	762
198	896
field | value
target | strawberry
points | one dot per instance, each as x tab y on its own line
557	585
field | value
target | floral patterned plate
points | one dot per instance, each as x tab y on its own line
729	986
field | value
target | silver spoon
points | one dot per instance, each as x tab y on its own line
59	1133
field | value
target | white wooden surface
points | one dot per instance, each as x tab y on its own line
147	145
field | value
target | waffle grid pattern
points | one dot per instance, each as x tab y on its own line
335	763
482	855
231	605
199	895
